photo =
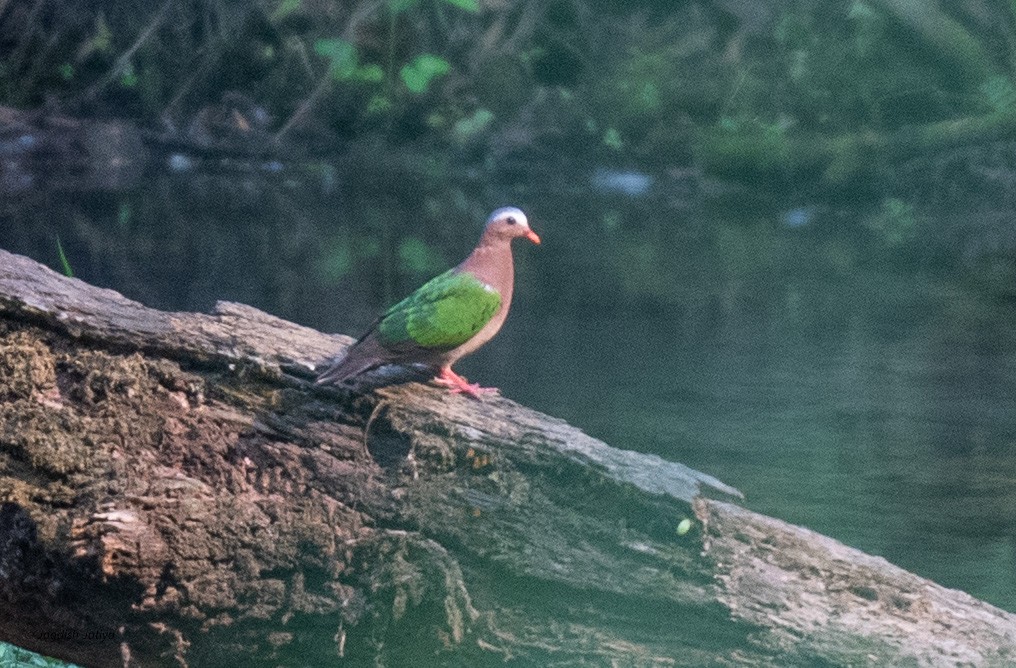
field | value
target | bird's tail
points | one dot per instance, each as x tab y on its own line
359	358
342	370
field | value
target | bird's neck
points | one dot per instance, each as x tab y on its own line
491	262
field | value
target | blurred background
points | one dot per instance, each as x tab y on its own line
779	240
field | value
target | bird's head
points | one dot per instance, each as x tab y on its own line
508	223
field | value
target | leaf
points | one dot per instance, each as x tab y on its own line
468	5
285	8
419	72
895	225
399	6
123	214
999	92
612	139
378	104
341	54
64	264
371	73
335	261
861	11
102	41
417	257
129	78
472	125
648	96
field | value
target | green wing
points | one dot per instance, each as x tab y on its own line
444	313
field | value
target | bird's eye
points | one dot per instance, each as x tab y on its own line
511	220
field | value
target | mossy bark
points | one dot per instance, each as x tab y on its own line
175	491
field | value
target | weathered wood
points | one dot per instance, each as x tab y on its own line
174	491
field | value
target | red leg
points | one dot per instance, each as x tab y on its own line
459	385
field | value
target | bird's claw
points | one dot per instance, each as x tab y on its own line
459	385
473	390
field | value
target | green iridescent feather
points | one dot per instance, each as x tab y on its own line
444	313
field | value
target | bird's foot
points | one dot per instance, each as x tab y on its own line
474	390
459	385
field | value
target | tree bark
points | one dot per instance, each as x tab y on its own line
175	491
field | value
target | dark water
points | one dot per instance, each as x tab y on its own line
839	383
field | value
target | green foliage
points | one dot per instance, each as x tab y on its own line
369	73
285	8
419	72
341	55
868	28
123	214
379	104
343	61
468	5
102	39
794	77
65	265
999	93
343	254
895	224
612	139
335	263
396	7
471	126
400	6
416	257
386	81
641	82
128	78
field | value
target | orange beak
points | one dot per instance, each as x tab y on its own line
533	236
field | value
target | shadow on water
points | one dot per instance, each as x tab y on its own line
859	387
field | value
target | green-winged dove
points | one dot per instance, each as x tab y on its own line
448	317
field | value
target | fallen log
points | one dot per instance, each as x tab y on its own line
175	491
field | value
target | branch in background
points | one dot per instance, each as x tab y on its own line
124	60
841	157
15	59
942	35
308	103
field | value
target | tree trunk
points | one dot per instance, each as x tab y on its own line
175	491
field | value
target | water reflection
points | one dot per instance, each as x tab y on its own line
839	391
891	429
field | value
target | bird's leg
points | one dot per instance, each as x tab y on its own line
459	385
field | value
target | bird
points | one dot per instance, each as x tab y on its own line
448	317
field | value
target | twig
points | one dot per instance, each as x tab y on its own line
526	25
28	81
382	405
349	34
305	106
27	31
125	57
